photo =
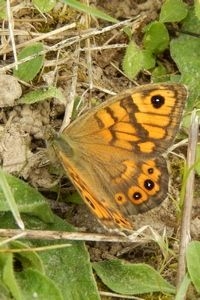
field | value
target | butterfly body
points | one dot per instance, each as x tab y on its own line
114	153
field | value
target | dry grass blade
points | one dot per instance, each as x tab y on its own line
72	40
11	29
70	103
78	236
108	294
186	216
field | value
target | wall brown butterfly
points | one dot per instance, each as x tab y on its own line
113	154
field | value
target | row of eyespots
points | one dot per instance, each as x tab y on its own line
136	194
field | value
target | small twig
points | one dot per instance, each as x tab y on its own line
70	102
72	40
113	295
10	27
186	215
12	238
76	236
37	249
88	51
93	32
42	36
99	88
179	144
104	47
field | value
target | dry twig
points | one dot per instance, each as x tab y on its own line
76	236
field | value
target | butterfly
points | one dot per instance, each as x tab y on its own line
113	154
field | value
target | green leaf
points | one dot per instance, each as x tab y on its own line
8	275
10	200
133	60
29	258
149	60
182	291
173	11
43	94
191	24
69	268
90	10
185	51
130	279
27	199
2	9
28	70
74	198
159	74
35	283
128	31
197	8
44	5
29	280
4	292
156	37
193	263
8	263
